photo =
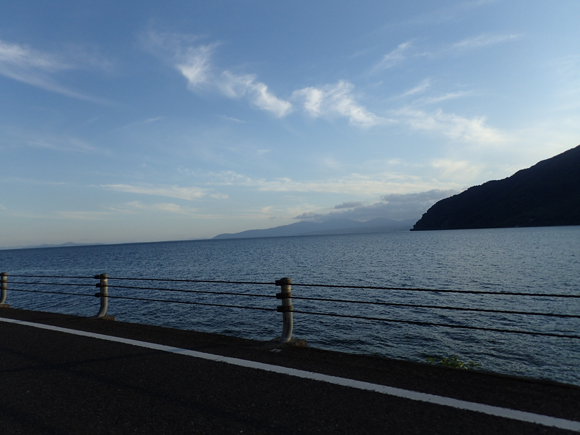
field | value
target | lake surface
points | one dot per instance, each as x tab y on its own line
531	260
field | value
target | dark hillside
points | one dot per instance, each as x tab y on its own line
546	194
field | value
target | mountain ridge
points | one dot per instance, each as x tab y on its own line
545	194
333	226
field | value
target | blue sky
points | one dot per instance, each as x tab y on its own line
126	121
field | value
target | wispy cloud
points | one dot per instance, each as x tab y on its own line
161	207
410	50
393	58
481	41
421	87
443	14
63	144
37	68
356	184
472	130
457	169
15	137
186	193
195	67
194	61
236	86
82	215
331	101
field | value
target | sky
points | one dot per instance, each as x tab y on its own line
138	121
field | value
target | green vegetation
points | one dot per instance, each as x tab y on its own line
452	361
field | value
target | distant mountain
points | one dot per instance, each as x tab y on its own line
334	226
63	245
546	194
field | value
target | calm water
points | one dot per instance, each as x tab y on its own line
538	260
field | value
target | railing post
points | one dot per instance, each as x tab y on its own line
103	286
3	287
286	308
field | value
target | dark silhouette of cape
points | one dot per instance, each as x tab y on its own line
547	194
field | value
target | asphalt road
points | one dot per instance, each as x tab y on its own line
57	383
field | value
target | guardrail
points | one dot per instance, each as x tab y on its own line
285	296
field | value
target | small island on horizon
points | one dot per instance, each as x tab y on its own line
546	194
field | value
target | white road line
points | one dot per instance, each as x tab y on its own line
497	411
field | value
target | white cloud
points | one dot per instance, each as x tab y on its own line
421	87
36	68
407	50
193	61
453	126
62	144
332	101
164	207
82	215
356	184
236	86
457	169
187	193
481	41
195	66
395	57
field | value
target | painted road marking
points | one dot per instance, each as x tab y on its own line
496	411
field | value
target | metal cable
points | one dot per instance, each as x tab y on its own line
514	331
146	299
438	290
439	307
317	314
52	293
51	276
193	291
49	283
324	285
191	303
192	280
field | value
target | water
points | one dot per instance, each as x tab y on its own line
538	260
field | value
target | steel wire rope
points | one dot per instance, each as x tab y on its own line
192	280
192	291
412	322
146	299
51	276
438	307
51	283
51	293
318	314
190	303
321	285
438	290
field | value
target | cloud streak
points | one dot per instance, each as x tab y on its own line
36	68
453	126
331	101
194	62
186	193
237	86
355	184
408	50
393	58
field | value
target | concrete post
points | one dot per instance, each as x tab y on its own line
3	287
103	286
286	308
